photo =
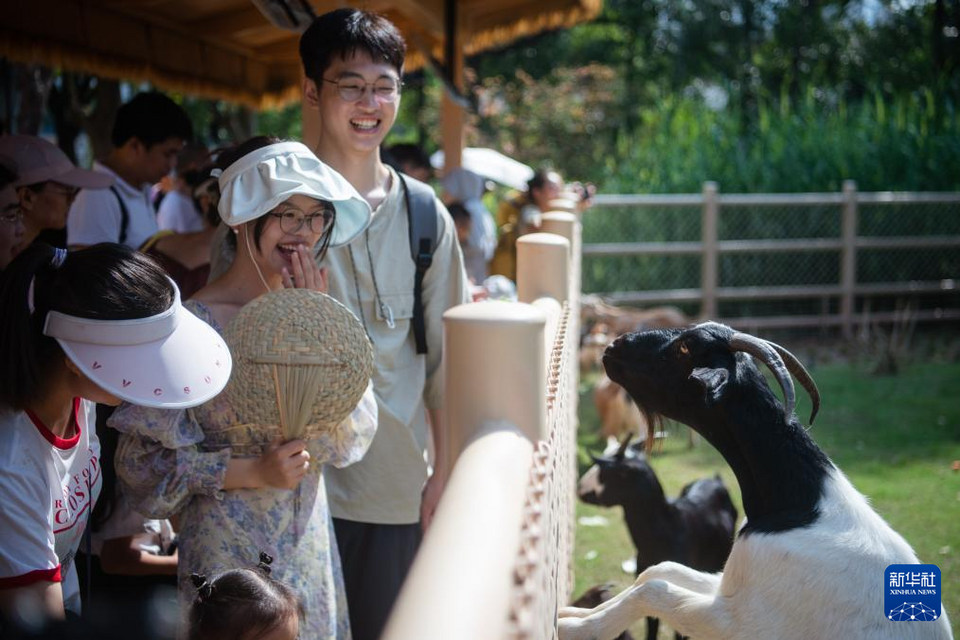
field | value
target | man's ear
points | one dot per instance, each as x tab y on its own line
28	197
311	94
713	381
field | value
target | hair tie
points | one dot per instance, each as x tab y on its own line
204	588
59	257
56	261
265	561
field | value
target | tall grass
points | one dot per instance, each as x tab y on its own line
906	142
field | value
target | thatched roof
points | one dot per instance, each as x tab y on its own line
226	49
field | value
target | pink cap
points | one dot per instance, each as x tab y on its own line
38	160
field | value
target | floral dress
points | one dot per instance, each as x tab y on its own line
175	461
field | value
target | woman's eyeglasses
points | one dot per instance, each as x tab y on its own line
352	89
292	220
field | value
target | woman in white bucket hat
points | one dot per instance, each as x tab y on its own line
100	325
236	495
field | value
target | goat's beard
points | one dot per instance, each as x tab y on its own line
654	421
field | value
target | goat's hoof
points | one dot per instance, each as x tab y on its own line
573	612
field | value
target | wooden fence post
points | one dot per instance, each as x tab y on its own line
848	256
710	267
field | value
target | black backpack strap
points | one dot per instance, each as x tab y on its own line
124	216
422	216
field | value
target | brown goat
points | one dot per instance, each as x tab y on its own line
618	414
619	320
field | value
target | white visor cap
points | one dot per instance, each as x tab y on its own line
265	177
173	360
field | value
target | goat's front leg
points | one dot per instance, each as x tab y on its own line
682	576
673	572
692	614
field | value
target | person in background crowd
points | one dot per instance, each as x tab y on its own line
410	159
178	211
244	604
462	221
47	185
466	187
129	555
233	494
186	256
148	133
521	214
97	325
11	217
353	61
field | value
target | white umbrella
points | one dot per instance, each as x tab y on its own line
491	165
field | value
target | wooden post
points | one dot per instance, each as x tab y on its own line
848	256
451	114
710	264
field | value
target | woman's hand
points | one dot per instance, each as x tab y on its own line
306	273
283	465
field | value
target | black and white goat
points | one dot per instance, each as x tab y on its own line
809	561
695	529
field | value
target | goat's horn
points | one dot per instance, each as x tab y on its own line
623	446
765	353
802	376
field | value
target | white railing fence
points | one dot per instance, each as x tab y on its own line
495	563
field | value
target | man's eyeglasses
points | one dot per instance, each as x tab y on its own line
352	89
12	215
292	220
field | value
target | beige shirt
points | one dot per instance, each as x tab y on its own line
385	486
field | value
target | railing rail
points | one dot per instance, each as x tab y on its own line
495	562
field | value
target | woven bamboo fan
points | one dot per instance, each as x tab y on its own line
300	360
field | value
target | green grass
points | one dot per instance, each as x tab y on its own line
896	438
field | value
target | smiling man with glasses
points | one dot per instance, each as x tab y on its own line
353	63
47	185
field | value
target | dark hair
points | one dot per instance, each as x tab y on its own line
540	177
228	156
458	212
343	32
151	118
406	153
240	602
200	182
7	176
106	282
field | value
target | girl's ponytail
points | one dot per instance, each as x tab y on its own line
25	353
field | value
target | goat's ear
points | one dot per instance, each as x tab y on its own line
713	382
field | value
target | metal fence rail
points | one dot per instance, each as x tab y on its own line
732	253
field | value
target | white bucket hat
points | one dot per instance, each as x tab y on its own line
173	360
265	177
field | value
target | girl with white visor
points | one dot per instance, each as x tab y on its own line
233	492
103	324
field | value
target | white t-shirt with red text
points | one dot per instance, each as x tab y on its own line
48	487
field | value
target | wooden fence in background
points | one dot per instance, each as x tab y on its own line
848	244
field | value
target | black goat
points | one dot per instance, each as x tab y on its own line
695	529
809	561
